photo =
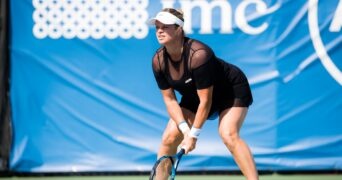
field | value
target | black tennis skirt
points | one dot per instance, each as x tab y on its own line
233	90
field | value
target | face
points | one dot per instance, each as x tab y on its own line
166	34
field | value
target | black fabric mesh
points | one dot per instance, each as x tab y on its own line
197	56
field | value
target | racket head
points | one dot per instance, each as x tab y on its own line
166	167
163	168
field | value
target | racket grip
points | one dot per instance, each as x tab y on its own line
182	151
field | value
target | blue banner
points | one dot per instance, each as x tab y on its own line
84	98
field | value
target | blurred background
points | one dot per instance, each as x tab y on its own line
78	94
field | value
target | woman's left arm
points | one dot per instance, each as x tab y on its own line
203	72
205	96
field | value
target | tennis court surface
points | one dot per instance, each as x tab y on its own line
186	177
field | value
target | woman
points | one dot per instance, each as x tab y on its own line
208	86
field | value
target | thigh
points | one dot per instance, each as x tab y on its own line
231	119
189	116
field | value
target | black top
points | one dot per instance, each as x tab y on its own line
194	66
198	68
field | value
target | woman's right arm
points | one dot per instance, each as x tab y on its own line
169	96
173	108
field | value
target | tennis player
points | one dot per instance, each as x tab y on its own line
209	86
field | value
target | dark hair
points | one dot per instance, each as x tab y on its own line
177	13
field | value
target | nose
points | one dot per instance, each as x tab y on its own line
159	30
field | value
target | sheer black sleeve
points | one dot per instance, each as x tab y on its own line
202	68
158	71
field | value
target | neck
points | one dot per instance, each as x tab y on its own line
175	49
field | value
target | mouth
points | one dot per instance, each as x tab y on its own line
160	37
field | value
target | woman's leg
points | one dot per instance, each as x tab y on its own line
230	123
172	137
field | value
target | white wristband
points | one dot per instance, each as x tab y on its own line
194	132
183	126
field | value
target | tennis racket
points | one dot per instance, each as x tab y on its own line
165	167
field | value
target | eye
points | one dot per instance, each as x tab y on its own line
161	27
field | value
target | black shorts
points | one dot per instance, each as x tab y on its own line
232	91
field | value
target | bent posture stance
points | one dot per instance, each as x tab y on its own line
208	86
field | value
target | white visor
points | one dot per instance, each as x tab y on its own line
166	18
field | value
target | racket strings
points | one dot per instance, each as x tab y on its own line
163	170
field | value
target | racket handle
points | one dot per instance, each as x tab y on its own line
182	151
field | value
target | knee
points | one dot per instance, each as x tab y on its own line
230	139
170	140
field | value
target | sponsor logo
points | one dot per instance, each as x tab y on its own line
90	19
227	15
321	50
127	19
188	80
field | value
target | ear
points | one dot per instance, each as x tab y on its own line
181	31
179	28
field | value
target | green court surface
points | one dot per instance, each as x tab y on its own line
185	177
